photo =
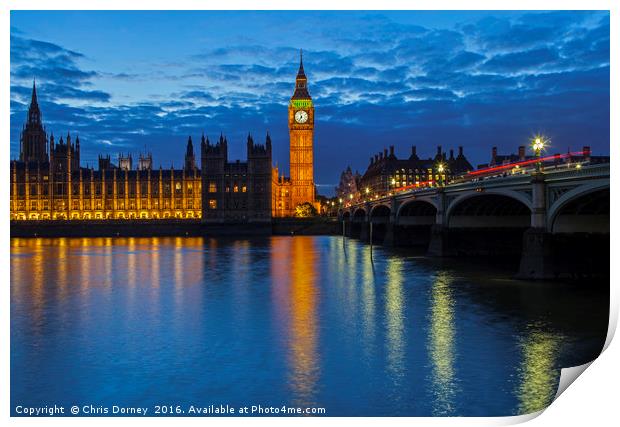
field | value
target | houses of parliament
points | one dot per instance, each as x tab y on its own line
49	183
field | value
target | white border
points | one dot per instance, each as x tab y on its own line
591	400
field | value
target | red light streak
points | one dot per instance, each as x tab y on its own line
524	163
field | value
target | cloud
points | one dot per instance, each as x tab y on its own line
530	60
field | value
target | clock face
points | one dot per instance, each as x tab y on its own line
301	116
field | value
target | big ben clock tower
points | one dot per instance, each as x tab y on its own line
301	130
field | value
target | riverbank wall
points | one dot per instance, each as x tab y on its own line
167	227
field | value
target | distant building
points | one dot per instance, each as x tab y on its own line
349	183
386	172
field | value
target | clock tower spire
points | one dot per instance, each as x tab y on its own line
301	132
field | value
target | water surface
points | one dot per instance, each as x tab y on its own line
296	321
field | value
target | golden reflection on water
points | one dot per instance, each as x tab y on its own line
538	375
295	274
442	345
395	322
154	266
368	306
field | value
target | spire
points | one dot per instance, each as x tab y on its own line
301	73
301	81
34	113
33	101
268	142
190	147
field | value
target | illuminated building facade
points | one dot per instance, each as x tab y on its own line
288	193
386	172
48	183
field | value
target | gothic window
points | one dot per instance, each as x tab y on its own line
244	189
33	206
178	204
212	204
212	187
144	188
33	190
177	188
235	188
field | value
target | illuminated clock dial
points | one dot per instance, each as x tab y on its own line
301	116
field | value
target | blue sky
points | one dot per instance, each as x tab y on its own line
124	81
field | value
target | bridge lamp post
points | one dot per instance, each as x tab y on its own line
441	168
538	145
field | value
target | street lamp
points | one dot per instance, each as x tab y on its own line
441	169
367	190
538	145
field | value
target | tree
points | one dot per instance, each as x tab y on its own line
305	210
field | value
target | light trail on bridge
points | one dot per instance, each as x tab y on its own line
524	163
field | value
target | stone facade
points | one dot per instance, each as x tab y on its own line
236	191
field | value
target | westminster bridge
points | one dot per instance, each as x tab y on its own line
555	220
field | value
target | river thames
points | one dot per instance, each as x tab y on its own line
297	321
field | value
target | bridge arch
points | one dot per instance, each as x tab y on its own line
583	209
589	196
508	209
510	194
359	213
345	216
380	212
416	212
